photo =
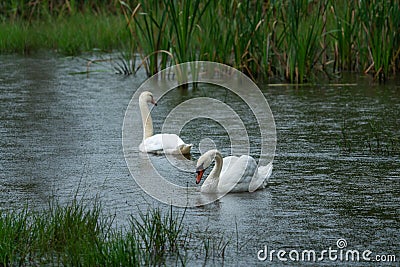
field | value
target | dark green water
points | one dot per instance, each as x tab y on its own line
336	170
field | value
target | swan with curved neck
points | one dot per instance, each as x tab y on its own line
159	143
231	174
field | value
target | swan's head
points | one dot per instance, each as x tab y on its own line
147	97
203	163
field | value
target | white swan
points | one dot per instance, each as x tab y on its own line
159	143
231	174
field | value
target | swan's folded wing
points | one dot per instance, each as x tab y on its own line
159	142
260	178
238	175
152	144
228	162
171	141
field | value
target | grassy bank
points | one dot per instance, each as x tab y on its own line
80	235
296	41
70	36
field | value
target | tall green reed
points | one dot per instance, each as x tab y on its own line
248	36
380	21
184	20
213	42
344	35
301	34
147	24
165	31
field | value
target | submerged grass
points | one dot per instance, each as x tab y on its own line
297	41
78	234
375	138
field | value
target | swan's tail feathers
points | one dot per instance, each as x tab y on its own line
185	148
265	171
261	179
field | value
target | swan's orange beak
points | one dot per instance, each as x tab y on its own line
153	102
199	175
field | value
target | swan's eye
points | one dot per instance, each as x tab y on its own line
153	101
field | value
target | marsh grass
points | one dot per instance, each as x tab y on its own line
296	41
65	235
14	237
79	234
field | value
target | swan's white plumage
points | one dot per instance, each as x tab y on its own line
261	180
237	174
159	143
162	143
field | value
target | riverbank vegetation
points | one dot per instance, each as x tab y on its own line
296	41
79	234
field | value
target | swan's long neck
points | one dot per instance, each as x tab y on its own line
146	119
216	171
